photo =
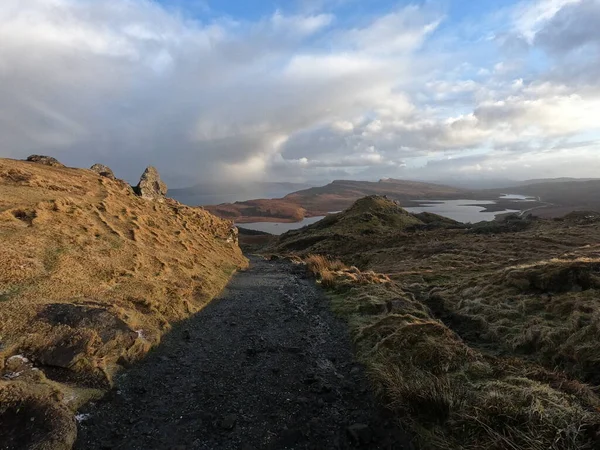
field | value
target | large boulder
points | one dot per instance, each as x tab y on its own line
46	160
103	171
84	333
151	187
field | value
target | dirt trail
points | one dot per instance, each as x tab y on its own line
266	366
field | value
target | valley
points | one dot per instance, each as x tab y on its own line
547	198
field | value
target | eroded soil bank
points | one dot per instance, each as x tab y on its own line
267	365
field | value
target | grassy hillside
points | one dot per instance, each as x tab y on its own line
353	232
481	336
91	276
336	196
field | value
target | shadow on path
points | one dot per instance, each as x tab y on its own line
265	366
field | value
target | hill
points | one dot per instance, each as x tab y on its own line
92	273
560	196
372	222
552	180
477	336
338	195
213	193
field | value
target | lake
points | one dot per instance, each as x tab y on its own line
277	227
459	210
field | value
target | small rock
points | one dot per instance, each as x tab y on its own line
228	422
326	388
141	390
360	433
16	363
355	370
290	439
45	160
310	378
233	235
103	171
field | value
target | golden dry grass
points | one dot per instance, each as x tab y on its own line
126	267
479	337
452	396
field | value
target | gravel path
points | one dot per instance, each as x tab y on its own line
265	366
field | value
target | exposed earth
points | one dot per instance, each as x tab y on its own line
266	365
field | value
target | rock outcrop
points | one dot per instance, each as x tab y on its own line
86	333
103	171
46	160
233	235
151	187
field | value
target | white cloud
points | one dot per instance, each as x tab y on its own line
302	25
403	30
531	16
293	95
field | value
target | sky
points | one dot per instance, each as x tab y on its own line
304	90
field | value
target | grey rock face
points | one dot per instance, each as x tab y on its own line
233	235
151	187
46	160
103	171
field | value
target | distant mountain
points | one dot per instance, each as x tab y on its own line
336	196
478	183
340	194
554	180
215	193
562	195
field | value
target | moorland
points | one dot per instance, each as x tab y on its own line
477	336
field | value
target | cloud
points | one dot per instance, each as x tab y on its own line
301	25
530	16
307	94
403	30
573	28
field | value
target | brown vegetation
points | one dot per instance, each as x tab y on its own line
277	210
477	337
91	276
449	394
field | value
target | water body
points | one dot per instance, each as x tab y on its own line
460	210
518	197
279	228
465	210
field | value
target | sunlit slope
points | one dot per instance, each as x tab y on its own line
91	276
